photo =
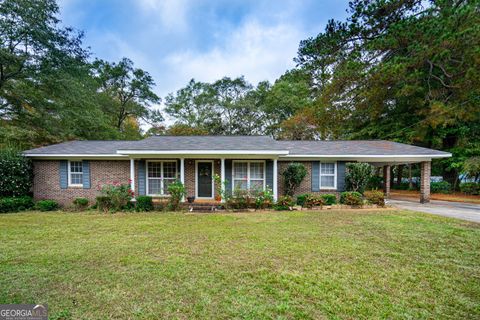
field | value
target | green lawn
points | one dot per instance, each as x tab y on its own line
329	264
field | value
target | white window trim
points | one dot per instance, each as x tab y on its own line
70	184
161	178
248	172
327	175
196	179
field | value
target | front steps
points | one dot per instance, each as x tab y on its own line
201	206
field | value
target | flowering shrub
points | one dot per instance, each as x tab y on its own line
263	198
16	174
114	196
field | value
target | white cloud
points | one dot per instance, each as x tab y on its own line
172	13
257	51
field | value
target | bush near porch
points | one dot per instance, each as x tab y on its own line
293	265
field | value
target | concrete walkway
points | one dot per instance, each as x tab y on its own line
459	210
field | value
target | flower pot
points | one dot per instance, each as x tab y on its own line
218	198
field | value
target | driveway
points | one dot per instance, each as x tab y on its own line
459	210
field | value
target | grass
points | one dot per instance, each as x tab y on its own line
328	264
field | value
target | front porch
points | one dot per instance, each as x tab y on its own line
151	176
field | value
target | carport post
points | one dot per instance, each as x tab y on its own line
386	181
425	171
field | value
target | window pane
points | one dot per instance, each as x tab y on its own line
256	170
76	178
154	186
327	181
169	169
154	169
166	183
240	185
328	168
76	166
240	170
256	184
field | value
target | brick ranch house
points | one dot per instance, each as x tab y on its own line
74	169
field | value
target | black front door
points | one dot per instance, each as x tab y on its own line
204	180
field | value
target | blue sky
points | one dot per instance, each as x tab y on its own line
206	40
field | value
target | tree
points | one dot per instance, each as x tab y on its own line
472	168
128	92
293	176
376	82
16	172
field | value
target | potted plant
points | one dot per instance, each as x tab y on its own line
218	198
190	199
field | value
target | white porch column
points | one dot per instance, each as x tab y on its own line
182	174
275	184
222	176
132	177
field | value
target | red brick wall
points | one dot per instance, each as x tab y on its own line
46	181
305	186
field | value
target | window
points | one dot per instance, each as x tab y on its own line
160	174
248	175
75	173
328	178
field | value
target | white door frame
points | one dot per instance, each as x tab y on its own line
196	179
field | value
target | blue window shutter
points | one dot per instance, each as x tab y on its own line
228	176
86	174
63	170
341	176
142	183
315	176
269	172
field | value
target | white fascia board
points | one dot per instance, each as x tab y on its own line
202	152
369	158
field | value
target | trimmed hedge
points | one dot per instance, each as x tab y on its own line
15	204
351	198
47	205
440	187
144	203
470	188
329	199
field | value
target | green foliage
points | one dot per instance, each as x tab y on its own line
301	199
440	187
177	191
351	198
144	203
470	188
471	167
118	195
263	199
313	200
15	204
47	205
80	203
241	199
375	182
357	176
329	199
16	174
293	176
284	203
375	197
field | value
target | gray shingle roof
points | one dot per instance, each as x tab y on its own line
355	147
260	143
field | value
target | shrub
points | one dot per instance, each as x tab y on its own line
144	203
15	204
301	199
177	192
471	167
351	198
263	199
329	199
470	188
104	203
440	187
293	176
118	194
401	186
47	205
240	199
375	182
80	203
16	174
284	203
314	201
357	176
375	197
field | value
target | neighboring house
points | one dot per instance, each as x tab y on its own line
74	169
